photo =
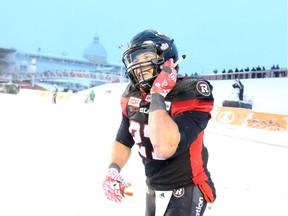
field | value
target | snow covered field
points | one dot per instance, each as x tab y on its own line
53	159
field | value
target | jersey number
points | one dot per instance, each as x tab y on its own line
135	130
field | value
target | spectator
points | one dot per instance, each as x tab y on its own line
92	96
229	71
54	94
241	75
253	73
275	73
239	85
246	70
223	72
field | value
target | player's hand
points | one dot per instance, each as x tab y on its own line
166	80
114	186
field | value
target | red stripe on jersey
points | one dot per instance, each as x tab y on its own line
196	160
124	102
191	105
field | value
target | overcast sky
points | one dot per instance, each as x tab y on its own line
213	33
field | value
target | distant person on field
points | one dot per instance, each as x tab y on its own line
92	96
239	85
54	94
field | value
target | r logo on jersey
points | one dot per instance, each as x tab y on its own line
133	101
203	88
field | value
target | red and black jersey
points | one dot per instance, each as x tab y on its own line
189	104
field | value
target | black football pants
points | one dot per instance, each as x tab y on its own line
188	201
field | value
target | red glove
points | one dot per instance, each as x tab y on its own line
166	80
114	186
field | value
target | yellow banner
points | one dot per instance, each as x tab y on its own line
249	118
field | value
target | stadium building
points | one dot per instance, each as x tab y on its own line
39	70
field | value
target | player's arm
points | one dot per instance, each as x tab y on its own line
121	147
164	132
120	154
114	185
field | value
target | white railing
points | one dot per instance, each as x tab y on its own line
69	75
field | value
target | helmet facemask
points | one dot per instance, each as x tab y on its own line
136	69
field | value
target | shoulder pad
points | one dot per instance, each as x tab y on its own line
190	88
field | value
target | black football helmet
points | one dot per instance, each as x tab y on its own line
148	41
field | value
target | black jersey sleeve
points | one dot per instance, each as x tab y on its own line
123	135
190	124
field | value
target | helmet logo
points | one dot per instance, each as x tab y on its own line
164	46
160	34
148	42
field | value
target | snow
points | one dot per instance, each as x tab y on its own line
53	158
268	94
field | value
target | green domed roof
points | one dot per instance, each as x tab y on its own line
95	52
